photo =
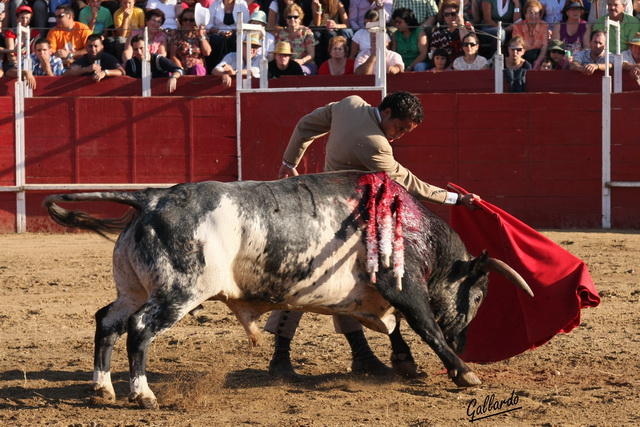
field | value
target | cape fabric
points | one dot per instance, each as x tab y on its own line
510	322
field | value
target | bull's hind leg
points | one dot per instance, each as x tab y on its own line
154	317
110	324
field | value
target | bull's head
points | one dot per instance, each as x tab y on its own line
456	301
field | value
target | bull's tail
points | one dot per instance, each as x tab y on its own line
83	220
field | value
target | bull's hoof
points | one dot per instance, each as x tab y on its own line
465	379
404	365
144	402
103	393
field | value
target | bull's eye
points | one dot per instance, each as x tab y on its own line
477	299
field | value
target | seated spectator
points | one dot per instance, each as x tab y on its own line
548	65
410	41
23	15
358	9
282	65
338	63
366	59
260	18
557	55
361	39
629	25
449	37
440	61
329	19
154	20
227	67
301	39
425	11
125	19
551	12
572	30
631	57
277	19
43	63
471	60
222	26
68	38
600	8
535	33
516	66
189	46
160	65
97	17
494	11
96	62
39	18
170	9
590	60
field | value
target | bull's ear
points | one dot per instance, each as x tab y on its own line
478	264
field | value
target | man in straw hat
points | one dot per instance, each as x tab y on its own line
631	57
227	67
282	65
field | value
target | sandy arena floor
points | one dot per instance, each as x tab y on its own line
204	374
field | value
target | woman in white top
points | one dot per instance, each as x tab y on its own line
471	60
171	10
222	26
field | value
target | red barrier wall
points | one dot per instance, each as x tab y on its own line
537	155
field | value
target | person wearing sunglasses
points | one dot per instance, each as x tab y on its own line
68	39
189	45
301	39
515	66
471	60
572	30
535	33
449	37
410	41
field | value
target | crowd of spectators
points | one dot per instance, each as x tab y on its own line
103	38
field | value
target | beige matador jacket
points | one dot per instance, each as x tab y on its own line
356	142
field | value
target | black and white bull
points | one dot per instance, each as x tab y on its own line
354	244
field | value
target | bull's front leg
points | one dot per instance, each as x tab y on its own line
413	303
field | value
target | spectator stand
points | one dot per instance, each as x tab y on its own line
243	84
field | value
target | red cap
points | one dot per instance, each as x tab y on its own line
24	8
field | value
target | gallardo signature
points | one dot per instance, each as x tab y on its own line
491	407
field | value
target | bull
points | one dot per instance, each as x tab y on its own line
348	243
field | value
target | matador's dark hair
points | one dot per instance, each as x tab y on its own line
403	106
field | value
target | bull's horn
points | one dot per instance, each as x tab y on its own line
508	272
